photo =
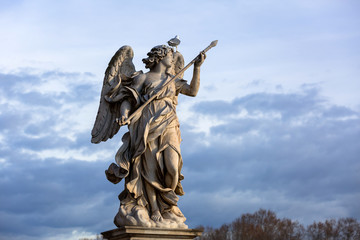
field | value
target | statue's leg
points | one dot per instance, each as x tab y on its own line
155	212
171	159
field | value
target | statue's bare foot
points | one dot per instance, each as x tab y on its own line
177	211
156	216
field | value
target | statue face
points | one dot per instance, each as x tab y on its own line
168	60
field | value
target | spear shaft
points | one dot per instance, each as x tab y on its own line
127	121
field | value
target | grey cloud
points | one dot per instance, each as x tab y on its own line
37	99
56	195
217	108
58	74
339	111
8	81
33	104
11	120
49	194
289	105
292	163
308	158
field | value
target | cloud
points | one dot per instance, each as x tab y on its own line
294	153
288	152
49	186
57	196
49	110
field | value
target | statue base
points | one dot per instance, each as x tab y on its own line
142	233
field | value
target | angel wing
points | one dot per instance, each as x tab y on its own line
178	64
117	74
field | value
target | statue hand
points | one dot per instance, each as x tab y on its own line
108	99
200	59
121	121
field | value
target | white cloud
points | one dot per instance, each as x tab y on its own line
59	153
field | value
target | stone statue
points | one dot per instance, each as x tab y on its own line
149	159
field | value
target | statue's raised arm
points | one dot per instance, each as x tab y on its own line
192	88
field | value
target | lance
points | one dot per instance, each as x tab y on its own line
139	109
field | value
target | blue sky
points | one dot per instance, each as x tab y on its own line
276	123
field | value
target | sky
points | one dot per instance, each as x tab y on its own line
275	125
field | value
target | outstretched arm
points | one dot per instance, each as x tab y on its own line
193	88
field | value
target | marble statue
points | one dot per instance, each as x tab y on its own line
149	159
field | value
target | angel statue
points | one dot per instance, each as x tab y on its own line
149	158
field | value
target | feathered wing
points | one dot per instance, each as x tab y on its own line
118	73
178	64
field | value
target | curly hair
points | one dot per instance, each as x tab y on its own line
156	54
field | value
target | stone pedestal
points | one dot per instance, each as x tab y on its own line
142	233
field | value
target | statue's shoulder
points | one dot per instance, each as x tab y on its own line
137	74
138	78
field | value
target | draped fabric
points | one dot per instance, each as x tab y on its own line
141	157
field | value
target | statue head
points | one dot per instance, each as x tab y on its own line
155	55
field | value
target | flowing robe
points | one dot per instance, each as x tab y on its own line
141	157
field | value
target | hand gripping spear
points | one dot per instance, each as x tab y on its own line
127	121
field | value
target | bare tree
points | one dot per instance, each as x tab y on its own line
263	225
343	229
